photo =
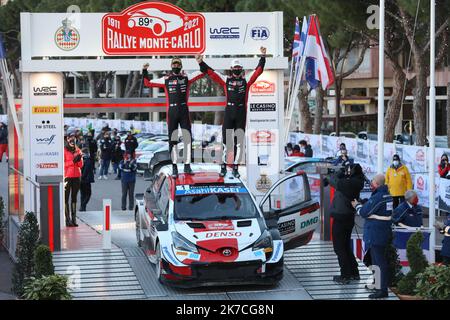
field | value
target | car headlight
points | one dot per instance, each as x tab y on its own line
264	242
181	243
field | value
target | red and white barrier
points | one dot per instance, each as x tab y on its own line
107	224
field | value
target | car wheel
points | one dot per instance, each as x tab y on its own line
158	264
138	231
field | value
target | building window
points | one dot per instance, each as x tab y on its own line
357	108
83	85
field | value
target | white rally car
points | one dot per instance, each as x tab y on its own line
208	230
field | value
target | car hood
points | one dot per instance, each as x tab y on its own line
214	235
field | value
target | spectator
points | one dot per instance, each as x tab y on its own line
289	149
91	144
128	167
398	180
348	184
87	177
408	213
343	159
297	152
3	141
377	230
444	228
131	143
306	149
342	146
444	167
73	162
117	156
106	149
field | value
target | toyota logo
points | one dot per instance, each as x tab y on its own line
226	252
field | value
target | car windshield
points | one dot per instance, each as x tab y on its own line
214	203
152	147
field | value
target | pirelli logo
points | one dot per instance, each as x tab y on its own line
45	109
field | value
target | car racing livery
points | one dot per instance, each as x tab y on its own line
207	230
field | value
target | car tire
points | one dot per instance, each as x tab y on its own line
158	264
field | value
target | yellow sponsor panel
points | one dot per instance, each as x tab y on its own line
45	109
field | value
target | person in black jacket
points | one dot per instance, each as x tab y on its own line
131	143
87	177
3	141
348	184
117	156
92	145
306	149
106	149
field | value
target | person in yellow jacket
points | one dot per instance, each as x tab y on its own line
398	180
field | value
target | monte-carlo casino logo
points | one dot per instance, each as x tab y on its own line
67	37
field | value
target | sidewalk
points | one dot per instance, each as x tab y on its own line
6	268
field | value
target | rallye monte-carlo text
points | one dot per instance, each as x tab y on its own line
208	230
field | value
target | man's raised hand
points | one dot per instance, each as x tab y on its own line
263	50
145	67
199	58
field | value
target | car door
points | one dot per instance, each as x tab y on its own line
153	209
289	199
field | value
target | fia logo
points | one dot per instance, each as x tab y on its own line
260	33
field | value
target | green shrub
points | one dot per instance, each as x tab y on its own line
434	283
43	262
27	241
417	262
52	287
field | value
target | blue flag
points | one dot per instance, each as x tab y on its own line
310	73
2	48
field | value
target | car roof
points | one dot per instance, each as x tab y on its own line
204	174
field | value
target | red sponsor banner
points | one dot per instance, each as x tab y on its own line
47	166
263	86
153	28
264	136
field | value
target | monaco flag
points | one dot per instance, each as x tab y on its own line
315	49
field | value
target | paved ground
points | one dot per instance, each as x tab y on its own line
6	267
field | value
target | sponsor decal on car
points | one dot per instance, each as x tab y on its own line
153	28
286	227
189	190
223	234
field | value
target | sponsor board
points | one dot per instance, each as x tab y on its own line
45	91
53	165
224	33
260	33
263	87
263	107
50	140
67	37
263	184
150	28
263	137
45	125
45	109
46	154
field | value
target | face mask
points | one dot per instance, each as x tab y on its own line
396	163
372	186
415	202
236	72
176	70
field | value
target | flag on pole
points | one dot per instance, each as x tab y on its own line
296	44
2	48
320	70
302	45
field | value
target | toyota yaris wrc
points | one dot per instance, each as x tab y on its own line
208	230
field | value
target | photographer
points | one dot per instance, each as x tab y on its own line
348	183
444	167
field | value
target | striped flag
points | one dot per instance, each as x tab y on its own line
320	70
401	237
296	44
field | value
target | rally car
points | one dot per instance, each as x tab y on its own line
208	230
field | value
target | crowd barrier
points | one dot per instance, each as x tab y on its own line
365	153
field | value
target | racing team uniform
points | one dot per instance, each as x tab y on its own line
176	87
236	91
